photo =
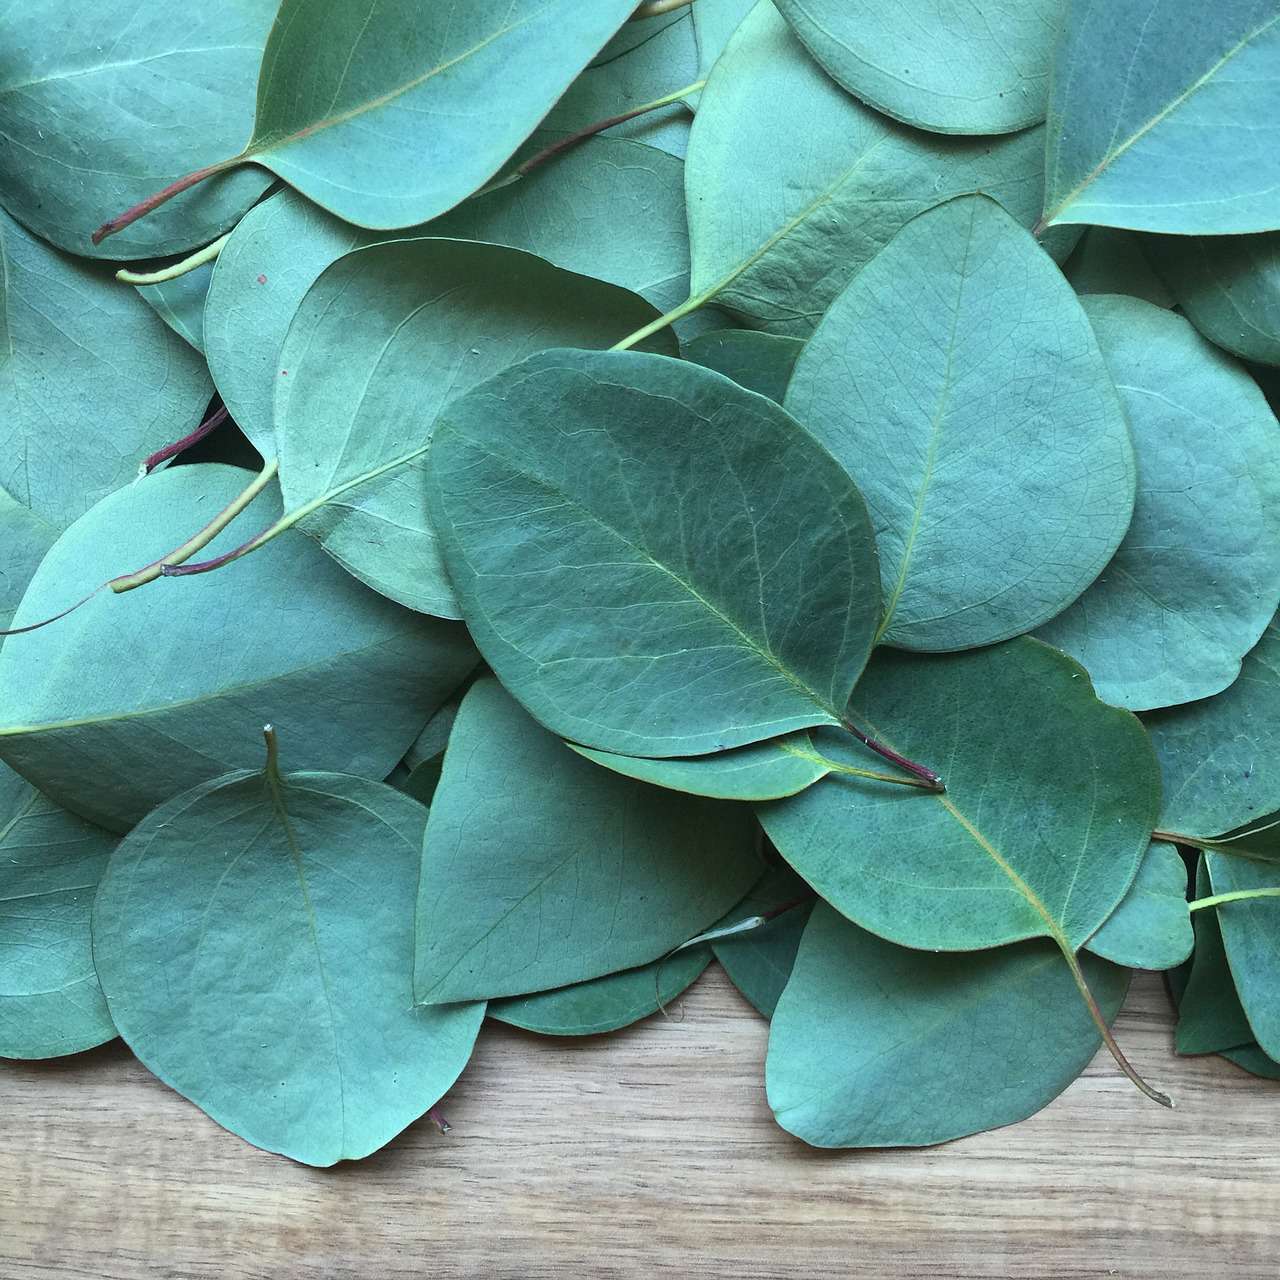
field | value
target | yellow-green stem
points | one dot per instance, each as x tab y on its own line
190	263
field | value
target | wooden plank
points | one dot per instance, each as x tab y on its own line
651	1152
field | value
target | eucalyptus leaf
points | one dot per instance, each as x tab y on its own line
761	362
50	864
138	696
1151	928
1051	797
1210	1016
1251	936
1250	1058
101	103
1229	288
990	442
604	1004
609	208
1259	840
714	22
633	544
1188	593
91	381
778	229
1162	117
760	961
253	938
979	67
1220	757
24	539
761	771
349	96
1108	260
874	1045
647	60
418	774
540	869
383	340
180	303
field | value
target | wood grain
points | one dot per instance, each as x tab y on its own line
651	1152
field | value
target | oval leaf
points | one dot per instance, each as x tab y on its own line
988	440
1151	928
761	362
540	869
1162	117
1189	592
383	341
874	1045
254	940
1051	797
111	733
975	68
634	544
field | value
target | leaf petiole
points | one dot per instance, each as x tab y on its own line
1237	895
189	263
927	776
211	423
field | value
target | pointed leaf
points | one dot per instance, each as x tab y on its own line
981	67
50	864
1050	801
990	444
1229	288
1151	928
761	362
254	947
133	698
777	228
874	1045
385	338
1162	117
102	103
633	543
1188	593
540	869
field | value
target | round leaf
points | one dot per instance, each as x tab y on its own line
1151	928
653	560
1051	797
254	944
988	439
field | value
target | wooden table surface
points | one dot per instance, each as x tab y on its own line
651	1152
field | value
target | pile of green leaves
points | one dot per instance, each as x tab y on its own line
789	482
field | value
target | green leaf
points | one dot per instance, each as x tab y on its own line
760	771
383	341
714	22
634	544
991	445
1251	936
138	696
1161	117
91	381
253	941
50	864
760	961
1250	1058
24	539
1229	288
418	774
180	303
1151	928
604	1004
388	114
1210	1016
793	186
1051	797
761	362
1259	839
625	224
874	1045
100	103
541	870
1220	757
645	61
1111	261
973	68
1189	592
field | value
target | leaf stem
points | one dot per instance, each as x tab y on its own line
1237	895
199	540
144	207
848	770
927	776
656	8
437	1118
189	263
213	421
271	770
